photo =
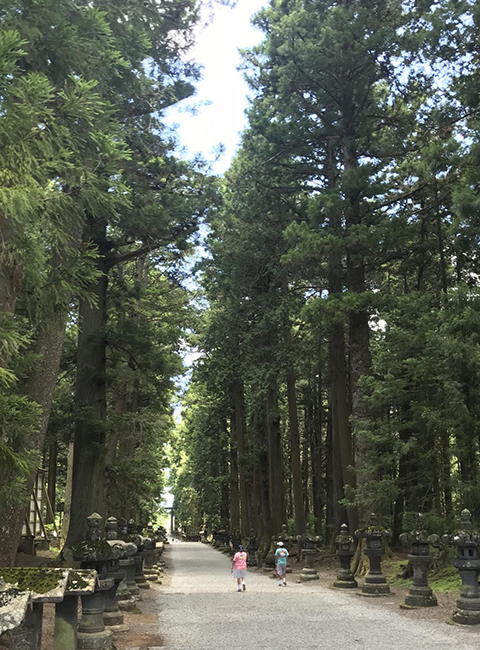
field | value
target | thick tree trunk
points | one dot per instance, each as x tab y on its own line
317	455
67	507
234	491
239	414
261	474
297	480
52	481
275	461
224	491
88	481
360	356
339	402
295	453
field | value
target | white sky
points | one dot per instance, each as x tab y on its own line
222	87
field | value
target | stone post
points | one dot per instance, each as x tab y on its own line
420	594
467	542
80	583
375	582
308	541
345	552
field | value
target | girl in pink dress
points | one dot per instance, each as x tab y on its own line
239	568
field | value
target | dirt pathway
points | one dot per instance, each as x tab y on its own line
200	609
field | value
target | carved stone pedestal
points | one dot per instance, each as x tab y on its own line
420	594
92	634
308	572
149	570
139	575
112	616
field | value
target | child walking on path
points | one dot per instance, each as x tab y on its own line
281	556
239	568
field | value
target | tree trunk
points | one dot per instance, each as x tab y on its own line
339	402
261	474
360	356
52	480
224	492
234	491
275	461
67	507
317	455
239	414
88	481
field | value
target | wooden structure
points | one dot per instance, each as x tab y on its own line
34	533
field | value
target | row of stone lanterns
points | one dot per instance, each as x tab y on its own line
465	540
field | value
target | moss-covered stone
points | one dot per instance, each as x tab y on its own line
38	580
76	581
92	550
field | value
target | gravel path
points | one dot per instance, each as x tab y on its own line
202	610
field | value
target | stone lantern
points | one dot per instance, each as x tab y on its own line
285	538
420	594
252	547
138	540
375	582
128	591
467	542
95	553
236	539
117	570
308	541
345	552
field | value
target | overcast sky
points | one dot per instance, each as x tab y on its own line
222	93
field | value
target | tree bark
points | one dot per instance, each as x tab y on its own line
275	461
52	480
88	480
234	491
339	402
67	508
360	356
239	414
296	461
317	455
261	473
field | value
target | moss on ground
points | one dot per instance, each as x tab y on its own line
444	579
